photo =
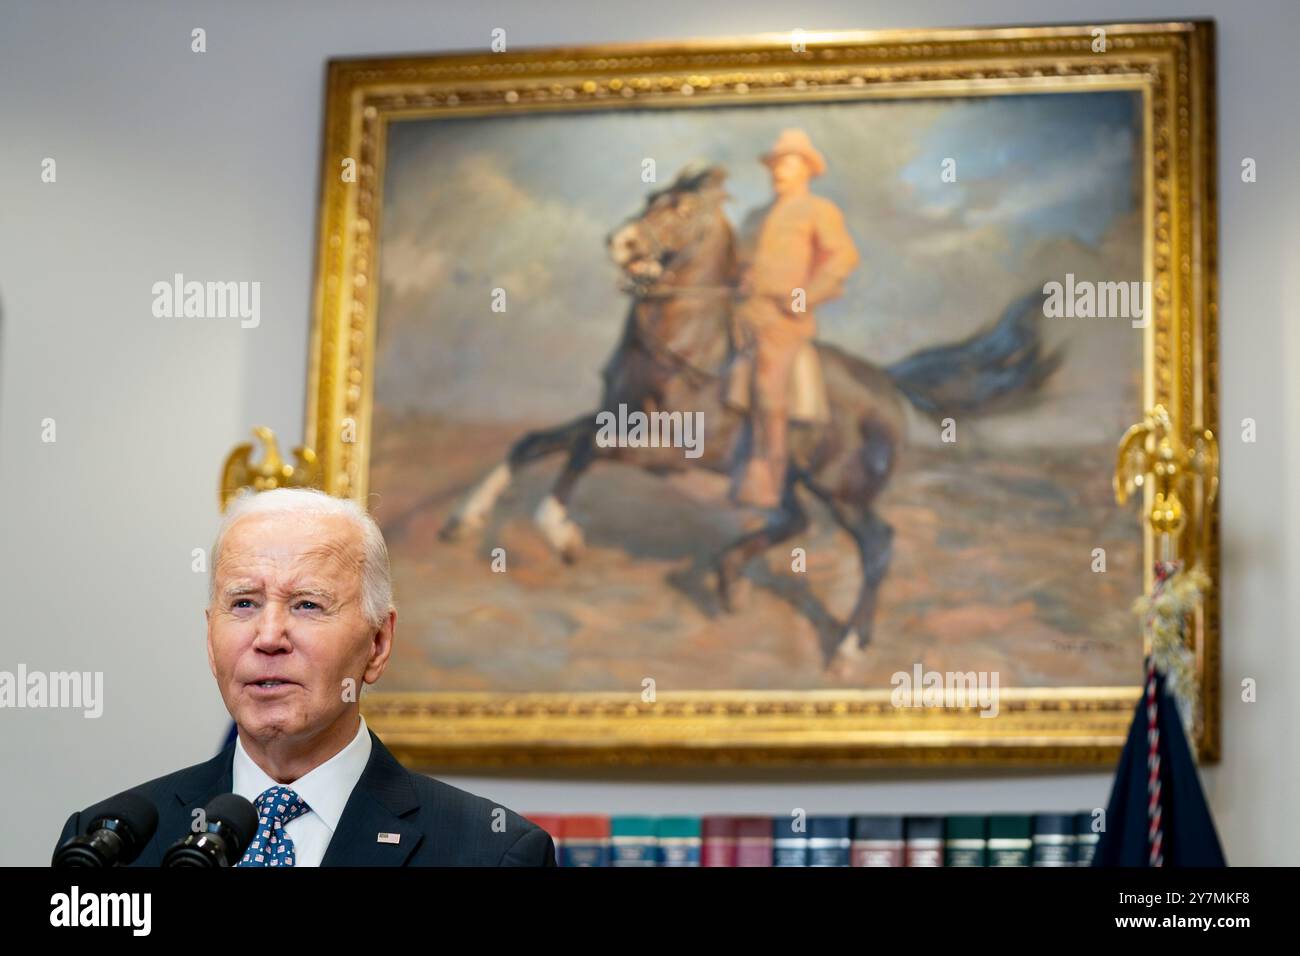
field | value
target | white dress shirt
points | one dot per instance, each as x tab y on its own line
325	789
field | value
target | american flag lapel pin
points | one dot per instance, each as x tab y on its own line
389	838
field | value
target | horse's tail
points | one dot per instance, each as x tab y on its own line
1005	361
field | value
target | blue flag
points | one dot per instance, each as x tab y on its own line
1188	837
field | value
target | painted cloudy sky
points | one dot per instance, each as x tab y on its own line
1046	184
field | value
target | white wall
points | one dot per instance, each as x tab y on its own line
173	162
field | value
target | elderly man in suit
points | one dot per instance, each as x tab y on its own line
299	615
794	255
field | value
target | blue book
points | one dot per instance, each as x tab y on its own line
924	841
1053	839
828	841
1085	838
878	840
789	841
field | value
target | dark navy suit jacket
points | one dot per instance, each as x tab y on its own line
440	825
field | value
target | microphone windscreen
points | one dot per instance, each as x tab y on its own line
134	812
237	813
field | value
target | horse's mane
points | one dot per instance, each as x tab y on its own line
693	178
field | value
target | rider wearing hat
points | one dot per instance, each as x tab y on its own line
796	255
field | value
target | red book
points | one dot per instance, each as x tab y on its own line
586	840
753	841
718	841
735	841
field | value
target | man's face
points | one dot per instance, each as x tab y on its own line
287	628
789	171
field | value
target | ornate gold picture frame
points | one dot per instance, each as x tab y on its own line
1168	66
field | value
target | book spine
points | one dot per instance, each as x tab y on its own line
755	851
633	851
1085	839
679	851
790	851
966	852
1010	851
1054	840
579	852
927	852
718	851
828	851
877	853
1054	849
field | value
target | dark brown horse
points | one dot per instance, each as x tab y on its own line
678	258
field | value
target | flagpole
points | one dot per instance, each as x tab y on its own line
1152	451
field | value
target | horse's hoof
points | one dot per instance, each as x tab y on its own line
572	549
560	531
848	656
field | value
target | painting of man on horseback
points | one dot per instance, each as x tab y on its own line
789	416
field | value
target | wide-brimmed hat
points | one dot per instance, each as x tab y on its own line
796	141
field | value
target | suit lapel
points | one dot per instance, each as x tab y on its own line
381	803
207	780
192	790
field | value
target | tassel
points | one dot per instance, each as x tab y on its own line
1165	614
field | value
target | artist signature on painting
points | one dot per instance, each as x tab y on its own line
1072	645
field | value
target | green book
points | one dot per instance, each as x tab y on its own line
1011	839
965	840
679	841
633	841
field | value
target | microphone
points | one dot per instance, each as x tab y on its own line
231	824
119	829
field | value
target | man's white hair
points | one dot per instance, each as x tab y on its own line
376	577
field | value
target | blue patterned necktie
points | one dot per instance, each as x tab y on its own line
272	846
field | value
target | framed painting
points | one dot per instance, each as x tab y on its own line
755	401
